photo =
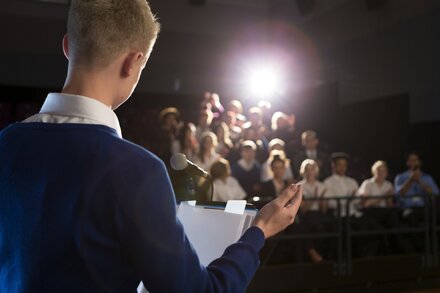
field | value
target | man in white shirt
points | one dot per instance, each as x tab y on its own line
340	185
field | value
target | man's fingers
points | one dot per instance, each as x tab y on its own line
295	201
288	194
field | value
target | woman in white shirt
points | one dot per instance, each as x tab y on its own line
206	155
377	186
226	187
312	219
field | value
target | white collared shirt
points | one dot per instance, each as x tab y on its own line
342	186
67	108
228	189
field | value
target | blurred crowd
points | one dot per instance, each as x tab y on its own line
255	154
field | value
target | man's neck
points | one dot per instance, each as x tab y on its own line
88	84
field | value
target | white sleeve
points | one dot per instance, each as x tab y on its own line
238	191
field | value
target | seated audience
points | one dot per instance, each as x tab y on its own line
277	184
224	145
283	127
265	108
340	185
235	106
312	187
378	209
188	144
311	218
260	141
414	182
247	169
213	103
231	122
255	120
167	136
207	155
205	120
310	142
225	186
275	146
377	186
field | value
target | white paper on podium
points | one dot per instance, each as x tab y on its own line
211	231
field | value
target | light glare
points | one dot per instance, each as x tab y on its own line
263	83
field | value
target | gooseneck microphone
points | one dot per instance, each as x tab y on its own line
179	162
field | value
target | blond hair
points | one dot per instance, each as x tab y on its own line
377	165
100	30
305	163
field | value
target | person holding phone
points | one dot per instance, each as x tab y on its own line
414	182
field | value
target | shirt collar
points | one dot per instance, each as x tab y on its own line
80	106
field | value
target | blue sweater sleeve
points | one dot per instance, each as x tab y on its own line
157	245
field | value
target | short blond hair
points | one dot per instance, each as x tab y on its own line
377	165
308	162
100	30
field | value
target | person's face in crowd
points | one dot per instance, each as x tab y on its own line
381	173
278	169
340	167
250	134
254	118
248	154
234	108
170	121
282	122
310	142
207	143
310	172
413	162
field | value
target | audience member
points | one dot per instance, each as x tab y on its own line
205	120
188	144
312	187
310	142
260	141
235	106
265	108
377	186
414	182
226	187
277	184
247	169
207	155
312	220
340	185
224	145
283	127
275	147
167	137
234	130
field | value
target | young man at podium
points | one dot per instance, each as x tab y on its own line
82	209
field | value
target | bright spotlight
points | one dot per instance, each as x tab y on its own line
263	83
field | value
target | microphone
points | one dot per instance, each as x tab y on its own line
179	162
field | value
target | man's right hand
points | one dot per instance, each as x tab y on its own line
275	216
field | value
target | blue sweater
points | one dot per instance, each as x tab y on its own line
82	210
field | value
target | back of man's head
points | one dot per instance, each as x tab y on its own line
100	30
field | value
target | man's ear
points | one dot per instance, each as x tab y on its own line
131	62
66	46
